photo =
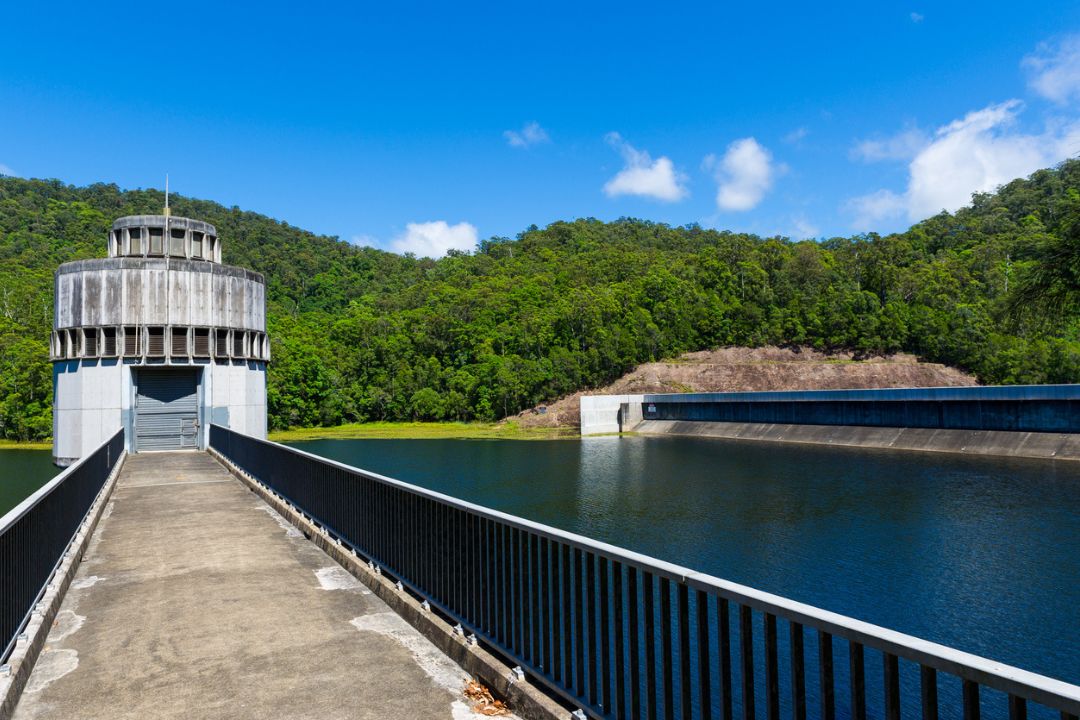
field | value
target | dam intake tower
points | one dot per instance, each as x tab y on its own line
160	339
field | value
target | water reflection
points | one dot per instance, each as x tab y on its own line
21	473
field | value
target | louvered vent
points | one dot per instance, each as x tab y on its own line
202	342
155	341
90	342
221	344
131	341
178	342
108	342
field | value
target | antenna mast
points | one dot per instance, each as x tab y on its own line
166	194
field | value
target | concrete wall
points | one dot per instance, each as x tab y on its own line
1061	446
89	405
1042	408
95	398
138	291
236	399
600	413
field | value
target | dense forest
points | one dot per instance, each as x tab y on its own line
361	334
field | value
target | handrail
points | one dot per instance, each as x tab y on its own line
378	530
955	392
35	534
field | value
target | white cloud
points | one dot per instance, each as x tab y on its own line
530	134
5	170
870	210
657	179
802	228
976	153
434	239
917	17
1054	70
796	136
744	174
364	240
904	145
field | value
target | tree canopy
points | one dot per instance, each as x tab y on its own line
361	334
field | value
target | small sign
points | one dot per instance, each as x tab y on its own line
652	409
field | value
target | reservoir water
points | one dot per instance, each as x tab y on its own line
979	554
21	473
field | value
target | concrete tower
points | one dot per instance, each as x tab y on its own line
159	338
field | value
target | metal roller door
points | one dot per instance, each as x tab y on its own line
166	410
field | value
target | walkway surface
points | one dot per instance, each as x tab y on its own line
196	600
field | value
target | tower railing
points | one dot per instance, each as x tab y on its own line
623	635
36	533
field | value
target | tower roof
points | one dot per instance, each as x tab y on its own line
164	236
161	220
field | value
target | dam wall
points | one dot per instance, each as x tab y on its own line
1018	408
999	443
1022	421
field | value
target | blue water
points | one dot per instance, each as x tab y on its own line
978	554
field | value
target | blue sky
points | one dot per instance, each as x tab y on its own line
424	126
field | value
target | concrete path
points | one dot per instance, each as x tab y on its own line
196	600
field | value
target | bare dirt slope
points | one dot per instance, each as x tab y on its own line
767	368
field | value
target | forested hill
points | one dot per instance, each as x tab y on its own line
362	334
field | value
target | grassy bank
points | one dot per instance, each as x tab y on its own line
422	431
30	445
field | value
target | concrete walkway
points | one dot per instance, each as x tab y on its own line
195	600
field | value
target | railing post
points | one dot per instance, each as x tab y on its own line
928	688
971	700
825	668
858	681
798	672
772	670
892	687
746	645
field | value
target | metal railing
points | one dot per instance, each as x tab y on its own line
35	534
623	635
